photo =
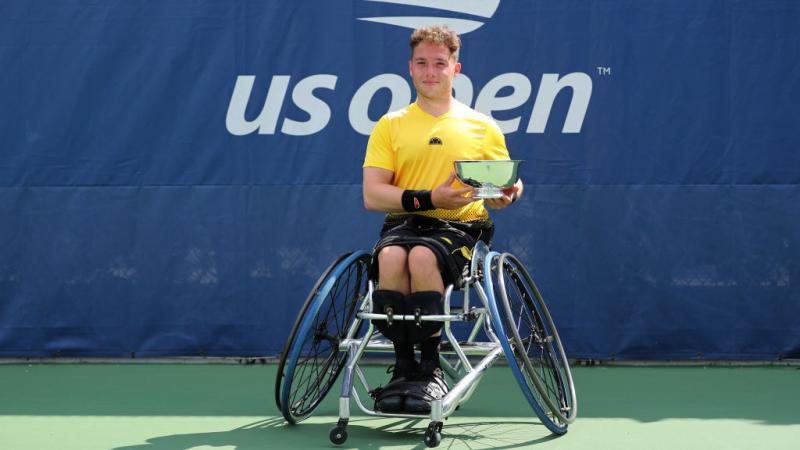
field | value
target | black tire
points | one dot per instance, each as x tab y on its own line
433	439
338	435
433	435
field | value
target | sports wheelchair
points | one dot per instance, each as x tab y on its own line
334	330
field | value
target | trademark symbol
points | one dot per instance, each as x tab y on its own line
603	70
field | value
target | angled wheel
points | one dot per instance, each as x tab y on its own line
531	342
311	361
537	346
293	333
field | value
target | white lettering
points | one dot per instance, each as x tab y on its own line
359	106
549	88
488	101
267	120
319	112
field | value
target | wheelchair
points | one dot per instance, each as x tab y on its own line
334	330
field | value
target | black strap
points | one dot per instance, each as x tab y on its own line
416	201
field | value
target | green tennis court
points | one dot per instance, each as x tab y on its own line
231	406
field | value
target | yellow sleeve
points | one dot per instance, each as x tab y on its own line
494	142
379	148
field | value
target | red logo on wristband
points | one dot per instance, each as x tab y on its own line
416	203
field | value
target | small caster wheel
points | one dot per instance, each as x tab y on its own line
433	435
433	438
338	435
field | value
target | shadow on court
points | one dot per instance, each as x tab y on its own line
171	407
767	395
370	432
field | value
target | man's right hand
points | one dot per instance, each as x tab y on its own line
447	197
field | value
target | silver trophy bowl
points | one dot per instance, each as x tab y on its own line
488	177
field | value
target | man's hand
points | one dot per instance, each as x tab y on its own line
509	196
447	197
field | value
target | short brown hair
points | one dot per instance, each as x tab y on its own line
437	34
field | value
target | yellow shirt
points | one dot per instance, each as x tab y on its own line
420	149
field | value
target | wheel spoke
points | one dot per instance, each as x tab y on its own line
320	361
535	345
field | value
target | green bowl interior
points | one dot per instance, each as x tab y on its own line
499	173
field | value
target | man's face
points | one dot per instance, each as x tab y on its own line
433	70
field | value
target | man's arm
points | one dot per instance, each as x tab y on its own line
381	195
379	192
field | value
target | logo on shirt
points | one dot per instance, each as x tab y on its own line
435	141
481	10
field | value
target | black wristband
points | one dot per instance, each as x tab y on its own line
415	201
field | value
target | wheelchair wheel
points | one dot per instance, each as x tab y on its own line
536	342
311	361
531	342
293	333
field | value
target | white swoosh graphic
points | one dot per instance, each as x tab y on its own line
483	8
460	26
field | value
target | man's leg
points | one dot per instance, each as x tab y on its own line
426	286
393	272
425	280
423	268
393	280
393	275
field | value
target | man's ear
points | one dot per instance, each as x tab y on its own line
457	70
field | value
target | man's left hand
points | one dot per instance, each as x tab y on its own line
509	196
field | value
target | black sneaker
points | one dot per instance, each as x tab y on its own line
429	385
391	398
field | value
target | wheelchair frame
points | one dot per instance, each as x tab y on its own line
467	374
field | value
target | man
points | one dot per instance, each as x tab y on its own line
433	221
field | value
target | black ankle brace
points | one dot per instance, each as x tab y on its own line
420	304
392	304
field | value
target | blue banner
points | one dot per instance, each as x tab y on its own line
175	175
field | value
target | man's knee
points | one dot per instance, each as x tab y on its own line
422	262
392	260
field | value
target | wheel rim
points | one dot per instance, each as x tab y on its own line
317	359
497	325
293	334
537	346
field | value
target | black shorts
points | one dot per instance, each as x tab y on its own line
451	242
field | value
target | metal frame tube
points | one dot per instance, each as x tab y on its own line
454	397
466	385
